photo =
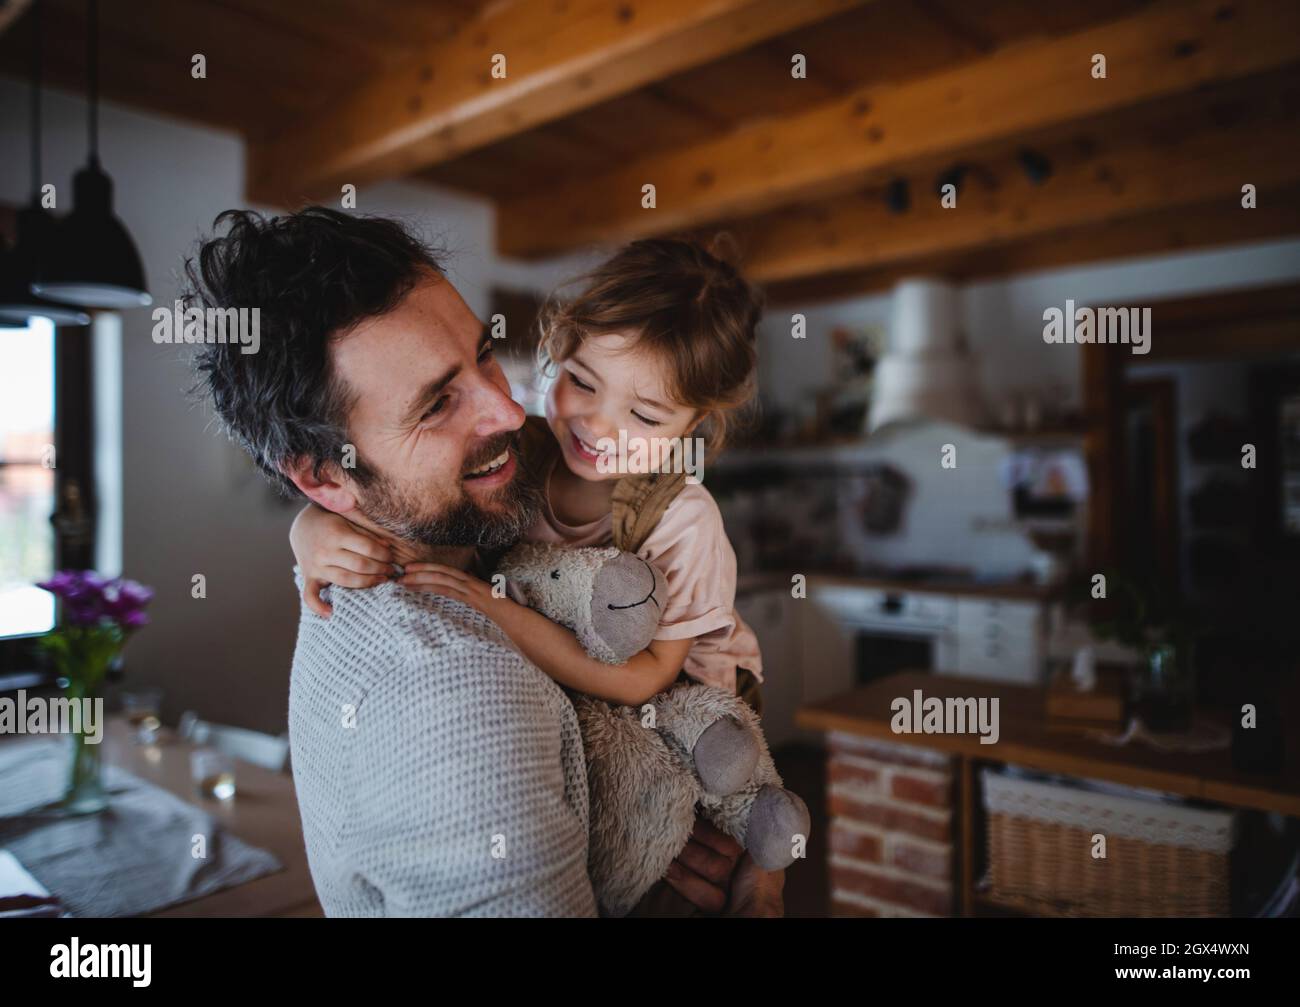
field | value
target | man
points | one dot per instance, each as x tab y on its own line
438	772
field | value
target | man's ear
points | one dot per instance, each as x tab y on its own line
330	489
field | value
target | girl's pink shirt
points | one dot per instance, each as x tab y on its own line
691	549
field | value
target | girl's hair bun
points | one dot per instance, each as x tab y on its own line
725	247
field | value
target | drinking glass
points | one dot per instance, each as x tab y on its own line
142	707
213	773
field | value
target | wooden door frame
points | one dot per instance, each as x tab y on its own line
1238	324
1161	394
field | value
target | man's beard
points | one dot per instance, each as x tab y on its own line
402	512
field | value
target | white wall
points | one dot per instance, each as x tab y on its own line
191	504
226	656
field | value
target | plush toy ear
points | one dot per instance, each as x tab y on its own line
627	600
515	592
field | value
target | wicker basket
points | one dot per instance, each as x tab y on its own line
1161	859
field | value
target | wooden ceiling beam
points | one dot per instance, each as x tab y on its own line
1168	49
1189	228
559	58
1114	182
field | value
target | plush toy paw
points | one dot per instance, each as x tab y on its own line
776	818
725	756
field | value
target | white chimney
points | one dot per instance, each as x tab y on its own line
928	374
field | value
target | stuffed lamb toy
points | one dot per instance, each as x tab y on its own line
649	767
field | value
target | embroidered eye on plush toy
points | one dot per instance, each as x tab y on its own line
649	768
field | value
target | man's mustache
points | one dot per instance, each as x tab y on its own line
491	449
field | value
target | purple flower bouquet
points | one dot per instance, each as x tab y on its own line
98	615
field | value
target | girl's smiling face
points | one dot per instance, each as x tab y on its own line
607	386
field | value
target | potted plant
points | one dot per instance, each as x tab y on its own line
1152	620
98	615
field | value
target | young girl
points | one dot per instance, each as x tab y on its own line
659	344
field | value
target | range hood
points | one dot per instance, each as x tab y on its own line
928	373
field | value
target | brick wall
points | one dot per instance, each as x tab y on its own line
891	830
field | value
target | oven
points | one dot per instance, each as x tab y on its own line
892	630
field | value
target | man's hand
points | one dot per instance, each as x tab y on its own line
701	874
756	892
713	874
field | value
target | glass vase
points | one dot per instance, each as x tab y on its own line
84	793
1165	688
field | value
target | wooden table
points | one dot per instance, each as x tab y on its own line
263	812
1026	740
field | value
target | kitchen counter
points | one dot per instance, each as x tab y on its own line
863	716
1025	740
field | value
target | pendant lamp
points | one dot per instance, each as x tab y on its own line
94	262
36	226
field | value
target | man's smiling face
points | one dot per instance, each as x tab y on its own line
431	414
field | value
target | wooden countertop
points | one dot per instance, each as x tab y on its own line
1025	740
263	812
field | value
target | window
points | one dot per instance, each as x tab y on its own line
27	483
48	490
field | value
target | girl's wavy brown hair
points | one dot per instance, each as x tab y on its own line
681	302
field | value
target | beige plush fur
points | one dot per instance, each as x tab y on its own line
641	779
644	790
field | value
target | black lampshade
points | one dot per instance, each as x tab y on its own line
93	262
18	268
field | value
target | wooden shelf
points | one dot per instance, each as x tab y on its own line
1026	740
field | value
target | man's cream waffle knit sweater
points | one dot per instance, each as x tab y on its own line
438	771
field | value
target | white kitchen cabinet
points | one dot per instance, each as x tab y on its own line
774	617
826	653
1000	639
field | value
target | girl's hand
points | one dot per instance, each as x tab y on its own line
453	583
329	550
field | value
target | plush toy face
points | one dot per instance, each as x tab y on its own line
627	601
612	600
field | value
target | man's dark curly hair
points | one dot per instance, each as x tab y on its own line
314	274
